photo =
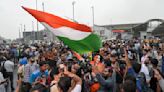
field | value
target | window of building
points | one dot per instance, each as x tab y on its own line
102	32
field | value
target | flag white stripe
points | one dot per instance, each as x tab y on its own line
67	32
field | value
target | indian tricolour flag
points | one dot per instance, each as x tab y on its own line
78	37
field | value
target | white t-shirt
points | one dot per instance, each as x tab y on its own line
145	70
137	46
77	88
9	66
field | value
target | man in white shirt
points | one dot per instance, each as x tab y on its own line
145	70
9	66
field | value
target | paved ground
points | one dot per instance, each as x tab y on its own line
15	77
14	80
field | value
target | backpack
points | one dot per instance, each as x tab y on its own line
3	69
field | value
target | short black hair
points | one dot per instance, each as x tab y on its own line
64	83
42	63
52	63
130	77
8	57
146	50
39	87
137	67
54	72
129	86
113	55
154	62
2	58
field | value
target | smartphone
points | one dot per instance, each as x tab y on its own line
87	76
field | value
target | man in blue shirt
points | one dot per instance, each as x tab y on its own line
41	74
133	72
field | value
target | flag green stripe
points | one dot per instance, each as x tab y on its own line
90	43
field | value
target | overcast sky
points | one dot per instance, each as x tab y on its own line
106	12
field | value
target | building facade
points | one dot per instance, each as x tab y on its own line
35	36
117	31
150	28
103	32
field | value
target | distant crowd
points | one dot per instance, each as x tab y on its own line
119	66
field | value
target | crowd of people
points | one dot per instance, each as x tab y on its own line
119	66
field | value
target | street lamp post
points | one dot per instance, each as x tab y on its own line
19	34
73	5
43	6
93	19
21	30
43	33
36	4
33	33
37	20
19	38
24	27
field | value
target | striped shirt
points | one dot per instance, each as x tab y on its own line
28	70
